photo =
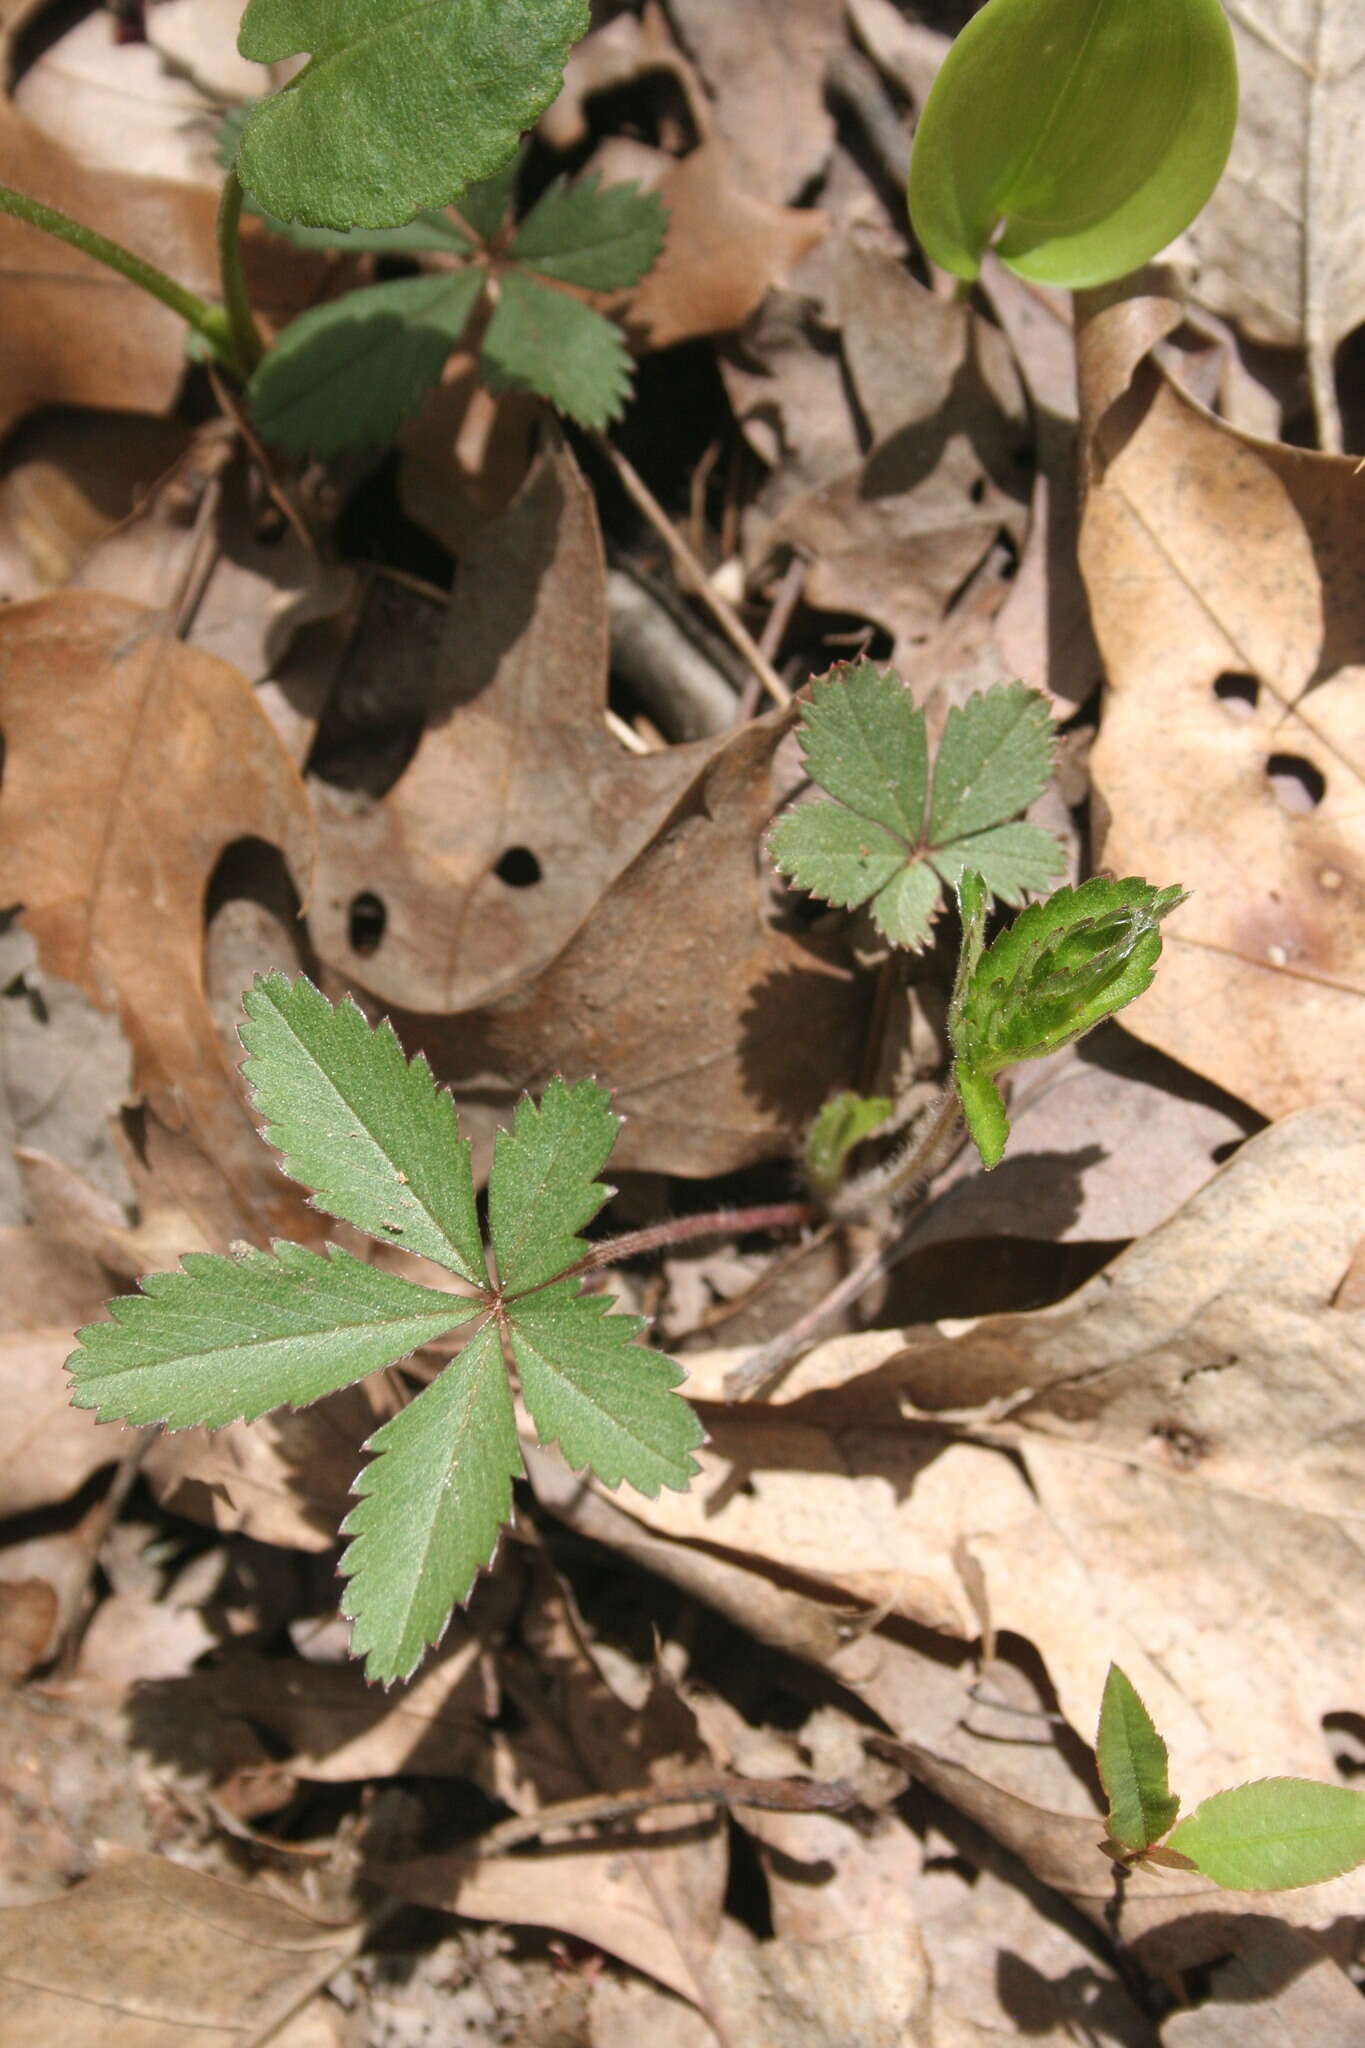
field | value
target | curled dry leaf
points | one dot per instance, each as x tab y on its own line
122	790
1225	588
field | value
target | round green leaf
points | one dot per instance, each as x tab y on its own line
404	103
1076	136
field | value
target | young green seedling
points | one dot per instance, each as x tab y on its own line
1074	137
1273	1835
402	106
229	1338
894	834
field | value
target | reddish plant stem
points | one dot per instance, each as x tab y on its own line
683	1229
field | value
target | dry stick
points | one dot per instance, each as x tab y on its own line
758	1371
789	592
776	1795
686	562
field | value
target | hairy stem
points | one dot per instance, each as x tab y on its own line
206	320
683	1229
906	1170
246	340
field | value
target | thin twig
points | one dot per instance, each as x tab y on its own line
691	569
756	1373
906	1171
777	1795
789	592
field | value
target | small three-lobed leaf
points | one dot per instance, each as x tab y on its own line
230	1338
843	1122
890	837
1062	967
1133	1767
348	373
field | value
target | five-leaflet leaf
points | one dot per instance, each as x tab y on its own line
230	1338
347	373
890	836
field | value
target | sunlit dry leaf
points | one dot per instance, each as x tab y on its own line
48	1449
770	55
89	1968
1281	244
121	792
1224	583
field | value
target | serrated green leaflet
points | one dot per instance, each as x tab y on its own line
585	236
1132	1761
362	1126
1060	969
603	1398
541	340
348	373
543	1188
379	1144
993	760
434	1498
864	742
1275	1835
1074	137
228	1339
842	1123
404	104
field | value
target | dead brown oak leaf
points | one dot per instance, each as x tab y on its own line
720	1033
132	763
1226	591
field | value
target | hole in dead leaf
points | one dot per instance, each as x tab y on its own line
367	920
519	868
977	493
1241	693
1299	787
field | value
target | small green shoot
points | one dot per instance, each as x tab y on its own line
844	1121
890	837
403	104
229	1338
1274	1835
1074	137
348	373
1132	1760
1062	967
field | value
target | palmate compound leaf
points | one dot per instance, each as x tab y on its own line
369	1132
1132	1761
404	104
1274	1835
1074	137
864	743
541	340
1062	967
348	373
